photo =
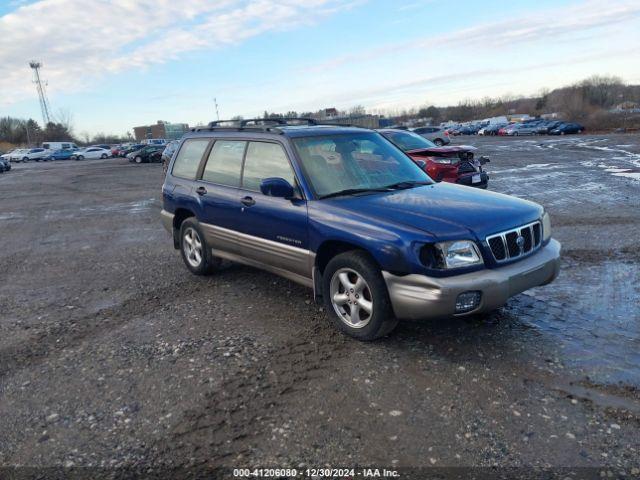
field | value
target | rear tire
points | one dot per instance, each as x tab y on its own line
438	142
196	254
356	297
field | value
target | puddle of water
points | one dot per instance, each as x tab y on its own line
538	165
130	207
631	157
593	309
633	175
10	216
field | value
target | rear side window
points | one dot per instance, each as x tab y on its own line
225	163
188	160
265	160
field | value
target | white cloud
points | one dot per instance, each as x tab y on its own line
550	25
79	41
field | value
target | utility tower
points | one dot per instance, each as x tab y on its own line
42	94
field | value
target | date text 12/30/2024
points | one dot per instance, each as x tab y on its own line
315	473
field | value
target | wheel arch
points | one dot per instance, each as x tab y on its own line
330	248
180	215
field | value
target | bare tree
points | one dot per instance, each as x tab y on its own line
64	117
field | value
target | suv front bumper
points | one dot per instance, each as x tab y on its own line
417	296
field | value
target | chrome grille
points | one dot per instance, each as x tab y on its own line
515	243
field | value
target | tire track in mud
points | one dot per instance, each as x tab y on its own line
55	338
241	412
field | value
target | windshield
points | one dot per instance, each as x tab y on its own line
354	161
409	140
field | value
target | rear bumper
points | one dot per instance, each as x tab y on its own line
417	296
167	220
467	179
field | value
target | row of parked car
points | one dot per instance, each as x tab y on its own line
5	165
528	127
25	155
138	153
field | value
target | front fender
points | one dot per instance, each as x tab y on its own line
391	245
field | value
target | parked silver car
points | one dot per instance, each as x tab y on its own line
522	129
437	135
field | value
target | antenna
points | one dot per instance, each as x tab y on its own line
215	102
42	94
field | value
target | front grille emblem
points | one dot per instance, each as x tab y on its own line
515	243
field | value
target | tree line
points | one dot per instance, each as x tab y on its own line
589	102
17	131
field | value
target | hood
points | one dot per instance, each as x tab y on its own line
446	211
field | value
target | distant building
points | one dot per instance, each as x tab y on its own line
366	120
169	131
519	117
330	113
626	107
495	120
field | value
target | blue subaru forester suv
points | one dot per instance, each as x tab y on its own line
345	212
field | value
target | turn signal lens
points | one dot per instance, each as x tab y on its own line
546	227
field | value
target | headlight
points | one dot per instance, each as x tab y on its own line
459	253
546	227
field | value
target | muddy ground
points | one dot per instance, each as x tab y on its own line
113	355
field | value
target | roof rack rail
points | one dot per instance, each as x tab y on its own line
266	124
241	123
257	128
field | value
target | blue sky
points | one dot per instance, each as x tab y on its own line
121	63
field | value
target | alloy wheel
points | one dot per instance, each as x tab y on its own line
351	298
192	246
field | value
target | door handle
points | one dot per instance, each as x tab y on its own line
248	201
201	191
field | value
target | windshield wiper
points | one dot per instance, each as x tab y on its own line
353	191
406	184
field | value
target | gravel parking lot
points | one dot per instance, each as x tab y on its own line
113	355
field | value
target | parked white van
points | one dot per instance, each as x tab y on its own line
59	145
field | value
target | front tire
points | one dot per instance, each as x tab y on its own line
138	159
196	254
103	156
356	297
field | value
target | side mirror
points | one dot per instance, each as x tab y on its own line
276	187
421	163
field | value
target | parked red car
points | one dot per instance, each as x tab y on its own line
453	164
